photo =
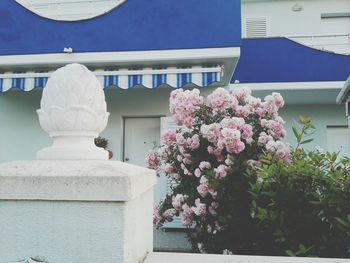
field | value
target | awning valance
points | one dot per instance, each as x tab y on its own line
175	77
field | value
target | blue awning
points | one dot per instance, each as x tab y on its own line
175	77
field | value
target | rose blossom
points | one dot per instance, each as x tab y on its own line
186	215
200	208
197	172
221	171
183	104
242	93
221	99
204	165
152	160
169	213
178	200
169	137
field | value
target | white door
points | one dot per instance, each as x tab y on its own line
140	136
338	140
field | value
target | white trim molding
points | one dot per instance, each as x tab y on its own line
279	86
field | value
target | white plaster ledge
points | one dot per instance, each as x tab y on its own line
73	180
159	257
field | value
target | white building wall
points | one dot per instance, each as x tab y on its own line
283	21
305	25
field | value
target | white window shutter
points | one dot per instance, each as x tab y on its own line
166	124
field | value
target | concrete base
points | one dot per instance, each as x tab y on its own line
209	258
75	212
170	241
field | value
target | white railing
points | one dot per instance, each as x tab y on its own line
337	43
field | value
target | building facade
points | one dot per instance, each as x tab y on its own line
300	49
142	50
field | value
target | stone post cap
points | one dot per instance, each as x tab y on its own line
74	180
73	112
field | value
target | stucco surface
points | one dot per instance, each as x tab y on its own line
71	232
61	231
74	180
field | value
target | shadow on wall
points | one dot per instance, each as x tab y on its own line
20	134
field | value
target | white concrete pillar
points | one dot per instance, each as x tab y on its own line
74	206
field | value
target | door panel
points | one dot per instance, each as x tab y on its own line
141	135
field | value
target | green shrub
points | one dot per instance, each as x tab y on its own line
303	208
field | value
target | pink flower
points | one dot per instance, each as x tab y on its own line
169	137
221	171
264	139
183	104
243	111
178	200
254	164
254	103
193	142
221	99
200	209
197	172
232	122
211	132
156	218
210	149
247	132
204	165
179	158
242	93
152	160
203	189
180	140
279	149
272	103
187	158
230	138
169	213
167	168
186	215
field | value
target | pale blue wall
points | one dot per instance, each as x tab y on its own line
322	115
20	133
21	136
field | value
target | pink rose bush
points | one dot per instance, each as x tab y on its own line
208	158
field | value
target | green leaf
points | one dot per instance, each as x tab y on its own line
290	253
341	221
302	247
296	134
307	141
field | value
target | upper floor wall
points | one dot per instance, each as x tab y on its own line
134	25
322	24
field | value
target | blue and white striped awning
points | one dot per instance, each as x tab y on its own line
175	77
